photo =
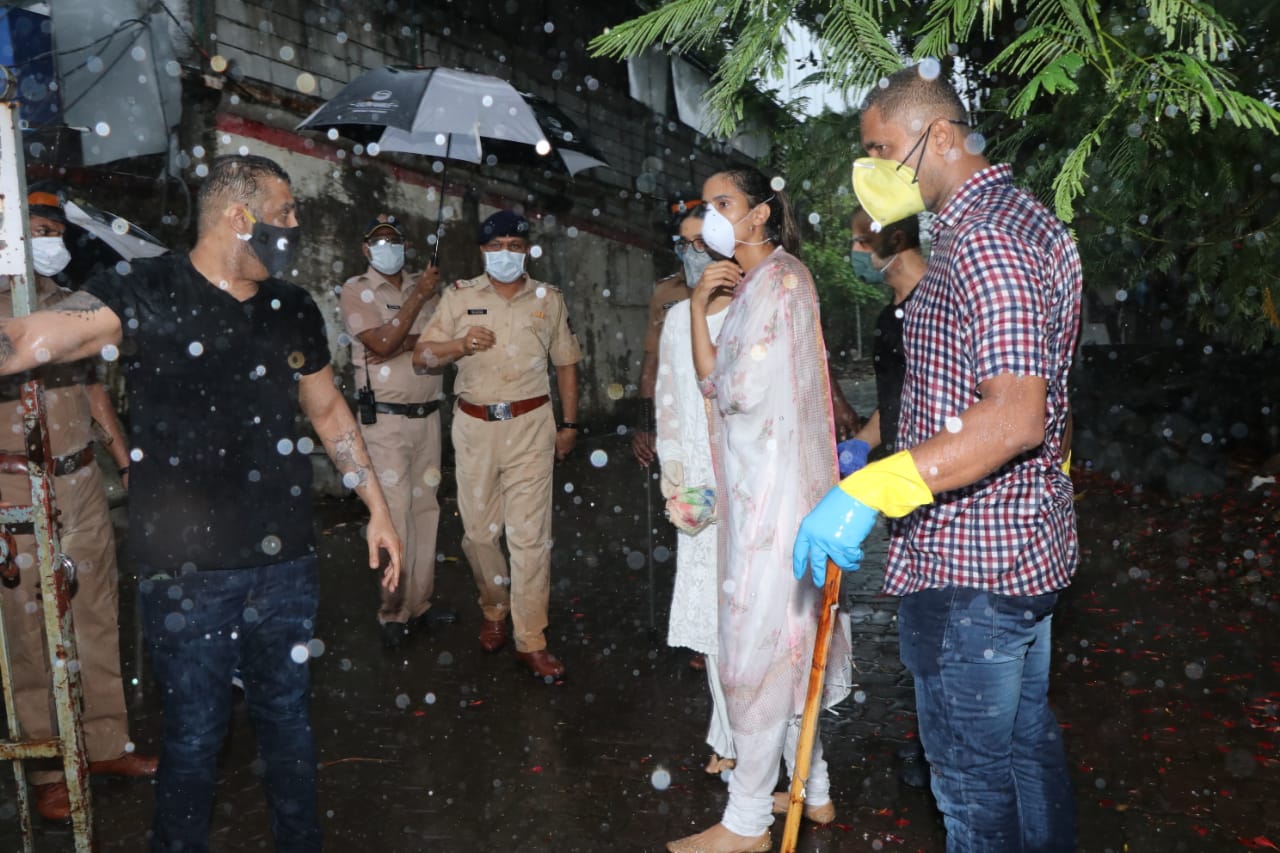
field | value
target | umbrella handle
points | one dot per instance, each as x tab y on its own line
812	700
444	182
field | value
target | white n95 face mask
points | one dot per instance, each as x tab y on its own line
49	255
717	233
504	266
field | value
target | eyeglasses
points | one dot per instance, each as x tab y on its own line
682	245
46	231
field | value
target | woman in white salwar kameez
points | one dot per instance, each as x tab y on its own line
684	452
773	447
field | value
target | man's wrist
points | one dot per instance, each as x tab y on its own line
648	416
573	425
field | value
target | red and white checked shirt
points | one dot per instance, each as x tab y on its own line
1001	295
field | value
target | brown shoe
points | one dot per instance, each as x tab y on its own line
493	634
128	764
542	663
53	803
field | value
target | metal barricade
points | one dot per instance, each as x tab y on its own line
39	517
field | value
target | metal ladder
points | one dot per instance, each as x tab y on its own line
56	571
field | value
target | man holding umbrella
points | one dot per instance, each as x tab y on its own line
500	329
385	310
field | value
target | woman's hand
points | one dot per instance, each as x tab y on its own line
720	277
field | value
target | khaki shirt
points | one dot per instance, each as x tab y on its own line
369	301
66	404
532	327
669	291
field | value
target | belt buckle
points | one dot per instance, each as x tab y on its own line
500	412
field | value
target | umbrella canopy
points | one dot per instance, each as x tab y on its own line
454	114
98	239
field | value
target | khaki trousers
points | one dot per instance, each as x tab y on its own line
406	457
88	539
504	486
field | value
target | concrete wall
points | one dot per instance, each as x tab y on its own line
599	234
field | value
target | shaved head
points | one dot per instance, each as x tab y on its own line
913	100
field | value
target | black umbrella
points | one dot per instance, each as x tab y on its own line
453	114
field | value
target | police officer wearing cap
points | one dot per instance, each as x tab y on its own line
79	414
500	329
384	310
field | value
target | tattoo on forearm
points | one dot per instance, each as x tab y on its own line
355	474
6	347
79	303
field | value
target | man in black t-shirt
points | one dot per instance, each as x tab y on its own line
219	357
891	256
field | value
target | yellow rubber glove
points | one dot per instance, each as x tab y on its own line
1066	464
893	486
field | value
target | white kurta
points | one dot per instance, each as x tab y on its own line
684	451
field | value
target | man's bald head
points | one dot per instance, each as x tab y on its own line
912	100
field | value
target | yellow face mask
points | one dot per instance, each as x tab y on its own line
887	190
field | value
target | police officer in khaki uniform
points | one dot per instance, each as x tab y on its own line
500	329
384	311
74	400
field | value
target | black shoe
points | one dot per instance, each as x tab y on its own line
437	614
394	634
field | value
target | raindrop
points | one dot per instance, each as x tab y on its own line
102	129
662	553
777	183
815	218
568	487
1195	671
299	654
110	352
351	479
138	53
615	391
548	27
402	701
929	68
635	560
286	53
315	647
202	170
487	101
306	84
174	622
135	455
599	458
195	348
374	149
271	545
341	38
661	779
93	64
1122	295
953	424
284	447
306	445
429	699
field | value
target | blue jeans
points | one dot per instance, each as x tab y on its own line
981	667
200	627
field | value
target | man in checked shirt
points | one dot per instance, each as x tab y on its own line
983	536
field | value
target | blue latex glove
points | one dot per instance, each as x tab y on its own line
835	528
852	455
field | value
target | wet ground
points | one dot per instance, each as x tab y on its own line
1167	684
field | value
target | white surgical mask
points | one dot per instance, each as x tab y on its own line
387	258
504	267
49	255
717	232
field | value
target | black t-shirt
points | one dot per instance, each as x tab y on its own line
891	370
216	479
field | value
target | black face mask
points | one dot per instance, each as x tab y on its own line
276	246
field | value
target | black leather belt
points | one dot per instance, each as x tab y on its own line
16	463
409	410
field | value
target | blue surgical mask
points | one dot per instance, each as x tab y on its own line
504	267
387	258
864	269
695	263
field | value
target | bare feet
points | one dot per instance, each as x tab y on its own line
717	765
718	839
824	813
